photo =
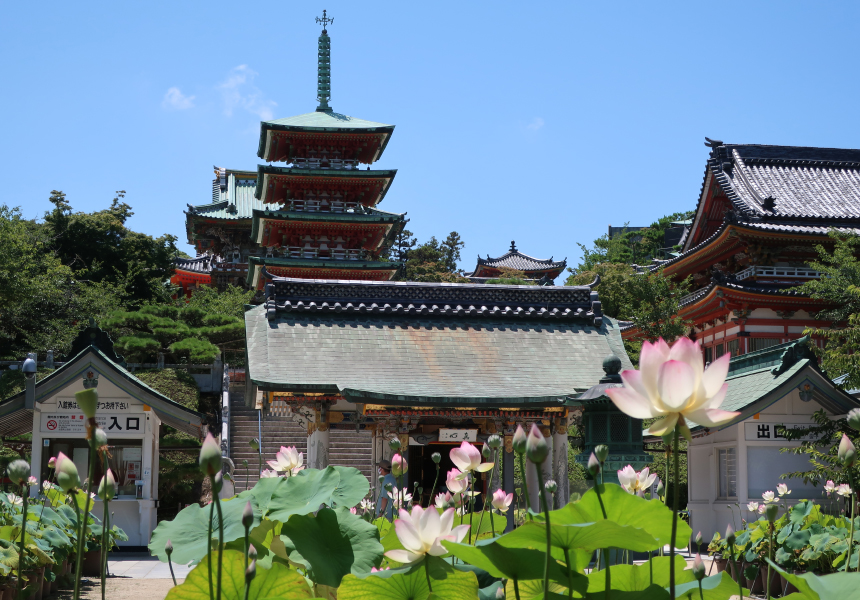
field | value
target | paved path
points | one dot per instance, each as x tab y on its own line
142	566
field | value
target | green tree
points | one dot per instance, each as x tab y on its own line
434	261
188	333
820	442
99	247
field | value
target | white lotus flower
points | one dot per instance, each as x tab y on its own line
762	508
843	490
46	485
366	505
422	532
673	385
752	506
31	480
399	502
443	499
268	473
768	497
468	458
782	489
14	499
455	482
502	501
636	483
288	460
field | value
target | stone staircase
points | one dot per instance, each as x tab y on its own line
348	448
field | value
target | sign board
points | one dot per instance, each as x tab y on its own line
458	435
60	422
70	405
755	431
132	454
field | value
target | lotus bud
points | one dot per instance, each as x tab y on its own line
494	442
520	440
210	456
168	548
698	568
394	444
500	593
601	452
251	572
847	452
254	443
437	458
551	486
217	484
388	487
593	465
248	516
854	418
87	401
730	535
536	447
107	487
660	487
399	465
52	462
699	539
67	473
771	511
485	451
18	471
252	552
420	490
380	479
100	437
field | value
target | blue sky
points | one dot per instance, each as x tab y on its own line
540	122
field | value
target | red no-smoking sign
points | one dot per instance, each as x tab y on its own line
52	424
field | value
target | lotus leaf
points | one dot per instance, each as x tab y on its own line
411	584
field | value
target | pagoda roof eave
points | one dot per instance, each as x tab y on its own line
375	218
257	263
264	171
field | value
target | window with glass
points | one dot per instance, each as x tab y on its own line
718	351
709	355
727	473
125	460
762	343
732	347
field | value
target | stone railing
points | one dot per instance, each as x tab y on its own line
777	272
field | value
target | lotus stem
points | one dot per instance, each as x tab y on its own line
492	477
516	590
542	493
853	501
597	487
105	520
526	488
170	564
735	569
24	494
433	491
81	541
217	500
701	594
427	572
569	572
80	537
770	558
484	506
675	501
471	490
209	547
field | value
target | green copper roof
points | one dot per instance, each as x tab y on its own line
415	359
236	202
324	121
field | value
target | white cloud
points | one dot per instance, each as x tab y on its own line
536	124
239	91
174	99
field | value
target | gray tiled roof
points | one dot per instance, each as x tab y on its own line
201	264
455	357
514	259
789	181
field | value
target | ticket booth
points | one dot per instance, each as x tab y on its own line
130	412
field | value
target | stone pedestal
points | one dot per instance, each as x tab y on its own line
318	448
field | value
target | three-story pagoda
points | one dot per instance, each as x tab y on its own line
312	217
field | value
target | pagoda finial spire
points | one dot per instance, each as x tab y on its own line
324	66
513	247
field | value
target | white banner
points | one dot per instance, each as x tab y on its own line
70	405
70	423
756	431
458	435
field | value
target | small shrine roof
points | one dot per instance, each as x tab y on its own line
235	202
408	343
201	264
514	259
326	121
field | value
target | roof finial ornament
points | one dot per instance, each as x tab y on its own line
324	66
513	246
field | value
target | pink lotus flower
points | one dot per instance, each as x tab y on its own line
762	508
636	483
455	482
268	473
52	462
673	385
422	532
288	460
829	487
468	458
502	501
353	511
398	465
32	480
443	499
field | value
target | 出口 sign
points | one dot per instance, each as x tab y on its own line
112	424
771	432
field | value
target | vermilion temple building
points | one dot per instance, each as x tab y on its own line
538	269
761	212
314	216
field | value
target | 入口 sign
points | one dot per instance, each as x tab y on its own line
458	435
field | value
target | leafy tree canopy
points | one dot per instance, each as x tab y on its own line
433	261
511	277
180	332
99	247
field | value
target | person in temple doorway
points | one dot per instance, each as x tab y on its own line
384	505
